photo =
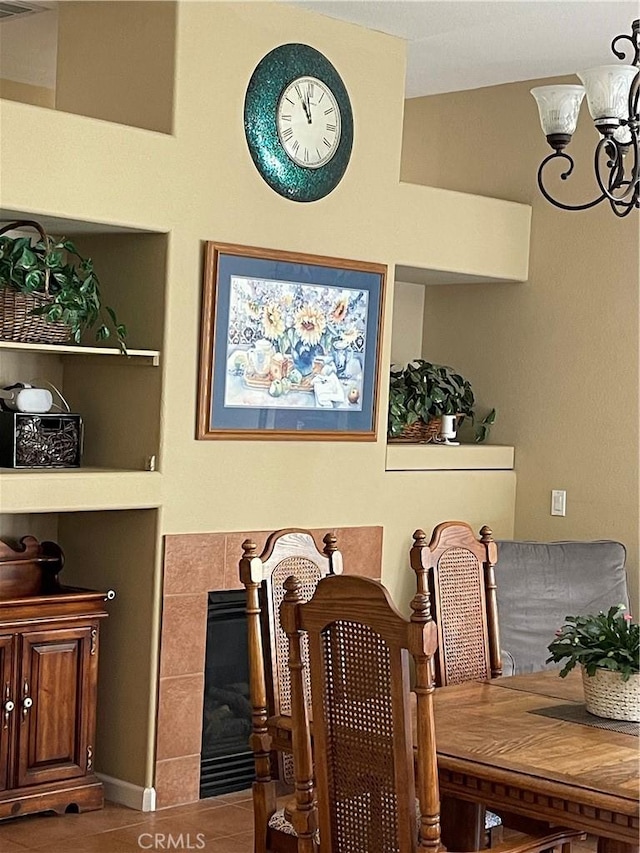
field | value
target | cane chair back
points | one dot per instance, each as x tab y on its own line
286	552
457	570
359	646
367	772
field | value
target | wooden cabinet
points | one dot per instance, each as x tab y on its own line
8	705
49	666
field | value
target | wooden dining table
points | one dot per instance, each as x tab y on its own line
502	743
496	749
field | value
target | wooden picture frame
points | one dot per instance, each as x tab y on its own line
290	345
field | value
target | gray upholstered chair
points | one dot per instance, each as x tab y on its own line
539	583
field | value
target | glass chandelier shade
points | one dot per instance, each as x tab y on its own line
559	107
608	90
612	97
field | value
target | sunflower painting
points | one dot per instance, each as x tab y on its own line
295	345
289	345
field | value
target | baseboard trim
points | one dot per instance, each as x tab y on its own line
128	794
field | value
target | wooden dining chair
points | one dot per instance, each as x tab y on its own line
288	551
361	798
457	570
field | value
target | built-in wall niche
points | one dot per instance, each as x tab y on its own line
28	49
118	397
118	550
44	526
52	59
408	322
114	550
433	314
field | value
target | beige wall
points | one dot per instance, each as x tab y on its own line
408	321
39	96
200	184
28	50
115	550
116	61
558	356
310	484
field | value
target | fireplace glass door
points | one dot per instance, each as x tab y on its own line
226	759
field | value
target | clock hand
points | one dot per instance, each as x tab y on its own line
309	105
307	109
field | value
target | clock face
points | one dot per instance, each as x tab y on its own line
308	122
298	122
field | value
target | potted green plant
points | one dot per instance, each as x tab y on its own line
49	293
607	647
421	392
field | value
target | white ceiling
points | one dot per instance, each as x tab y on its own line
452	44
466	44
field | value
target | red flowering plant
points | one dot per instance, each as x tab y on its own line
609	640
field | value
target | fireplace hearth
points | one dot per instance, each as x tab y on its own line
226	762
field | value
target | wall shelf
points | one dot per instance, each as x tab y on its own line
434	457
151	356
30	490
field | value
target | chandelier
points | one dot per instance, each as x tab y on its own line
612	98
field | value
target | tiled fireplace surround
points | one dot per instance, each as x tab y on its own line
194	565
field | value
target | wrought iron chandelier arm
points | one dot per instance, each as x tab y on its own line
564	175
634	179
634	40
633	98
622	209
617	156
619	189
622	206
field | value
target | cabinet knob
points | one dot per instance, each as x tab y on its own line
8	707
27	702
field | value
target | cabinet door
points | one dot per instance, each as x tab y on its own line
7	707
56	704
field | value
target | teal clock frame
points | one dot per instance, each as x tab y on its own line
272	75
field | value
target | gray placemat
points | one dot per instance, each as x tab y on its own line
578	714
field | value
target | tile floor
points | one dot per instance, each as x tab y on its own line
217	825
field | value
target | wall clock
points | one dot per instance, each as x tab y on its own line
298	122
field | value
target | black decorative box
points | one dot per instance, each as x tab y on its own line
40	441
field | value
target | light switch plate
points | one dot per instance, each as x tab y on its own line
558	502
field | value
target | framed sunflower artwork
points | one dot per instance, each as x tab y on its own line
290	345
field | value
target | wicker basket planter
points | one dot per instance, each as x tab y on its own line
48	275
17	323
607	695
420	432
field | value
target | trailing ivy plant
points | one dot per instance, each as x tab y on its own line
609	640
423	391
72	285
